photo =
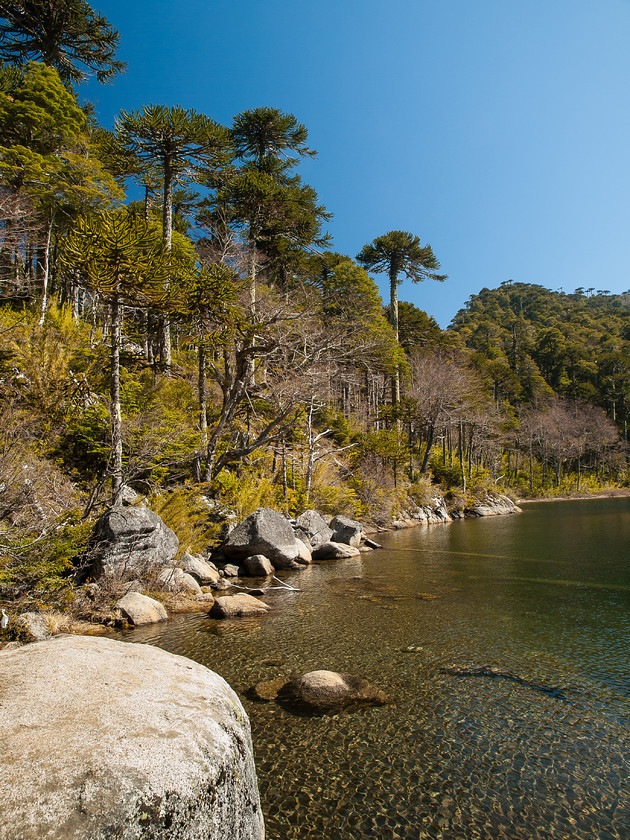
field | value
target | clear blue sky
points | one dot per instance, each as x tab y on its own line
496	130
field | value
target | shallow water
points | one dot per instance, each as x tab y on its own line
544	597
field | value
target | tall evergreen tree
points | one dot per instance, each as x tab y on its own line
65	34
121	258
181	142
399	253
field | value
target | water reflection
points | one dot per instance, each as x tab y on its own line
544	596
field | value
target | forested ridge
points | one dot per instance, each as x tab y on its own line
206	349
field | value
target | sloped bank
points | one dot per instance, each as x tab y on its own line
103	739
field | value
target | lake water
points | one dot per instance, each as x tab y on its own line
541	752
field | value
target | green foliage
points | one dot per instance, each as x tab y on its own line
65	34
531	342
399	252
36	569
54	360
246	491
39	112
185	512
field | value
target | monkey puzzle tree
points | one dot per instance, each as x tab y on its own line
121	258
399	253
65	34
181	142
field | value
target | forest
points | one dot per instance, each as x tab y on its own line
175	323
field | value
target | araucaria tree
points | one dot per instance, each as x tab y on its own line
399	253
65	34
121	259
181	142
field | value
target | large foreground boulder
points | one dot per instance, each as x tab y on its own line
323	691
127	542
102	739
264	532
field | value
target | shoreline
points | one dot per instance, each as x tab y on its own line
621	493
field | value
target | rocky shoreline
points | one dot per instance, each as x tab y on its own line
102	737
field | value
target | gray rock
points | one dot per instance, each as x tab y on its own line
177	580
258	565
140	609
103	739
232	606
231	570
129	541
328	691
495	505
334	551
305	555
264	532
31	627
313	528
346	531
200	569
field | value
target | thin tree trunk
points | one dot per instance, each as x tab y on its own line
116	417
167	232
46	275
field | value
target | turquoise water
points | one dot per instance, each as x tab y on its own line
544	597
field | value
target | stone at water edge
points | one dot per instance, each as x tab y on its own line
200	569
258	565
140	609
334	551
312	526
177	580
264	532
236	606
129	541
103	739
346	530
305	555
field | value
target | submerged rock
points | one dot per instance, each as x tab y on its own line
103	739
324	691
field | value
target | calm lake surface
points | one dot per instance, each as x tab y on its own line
543	596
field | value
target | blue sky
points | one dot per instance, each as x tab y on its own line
498	131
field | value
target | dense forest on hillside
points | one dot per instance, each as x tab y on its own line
204	347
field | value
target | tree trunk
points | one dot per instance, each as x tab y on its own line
116	418
203	415
46	272
167	233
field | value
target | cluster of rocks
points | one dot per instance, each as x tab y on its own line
132	547
437	513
